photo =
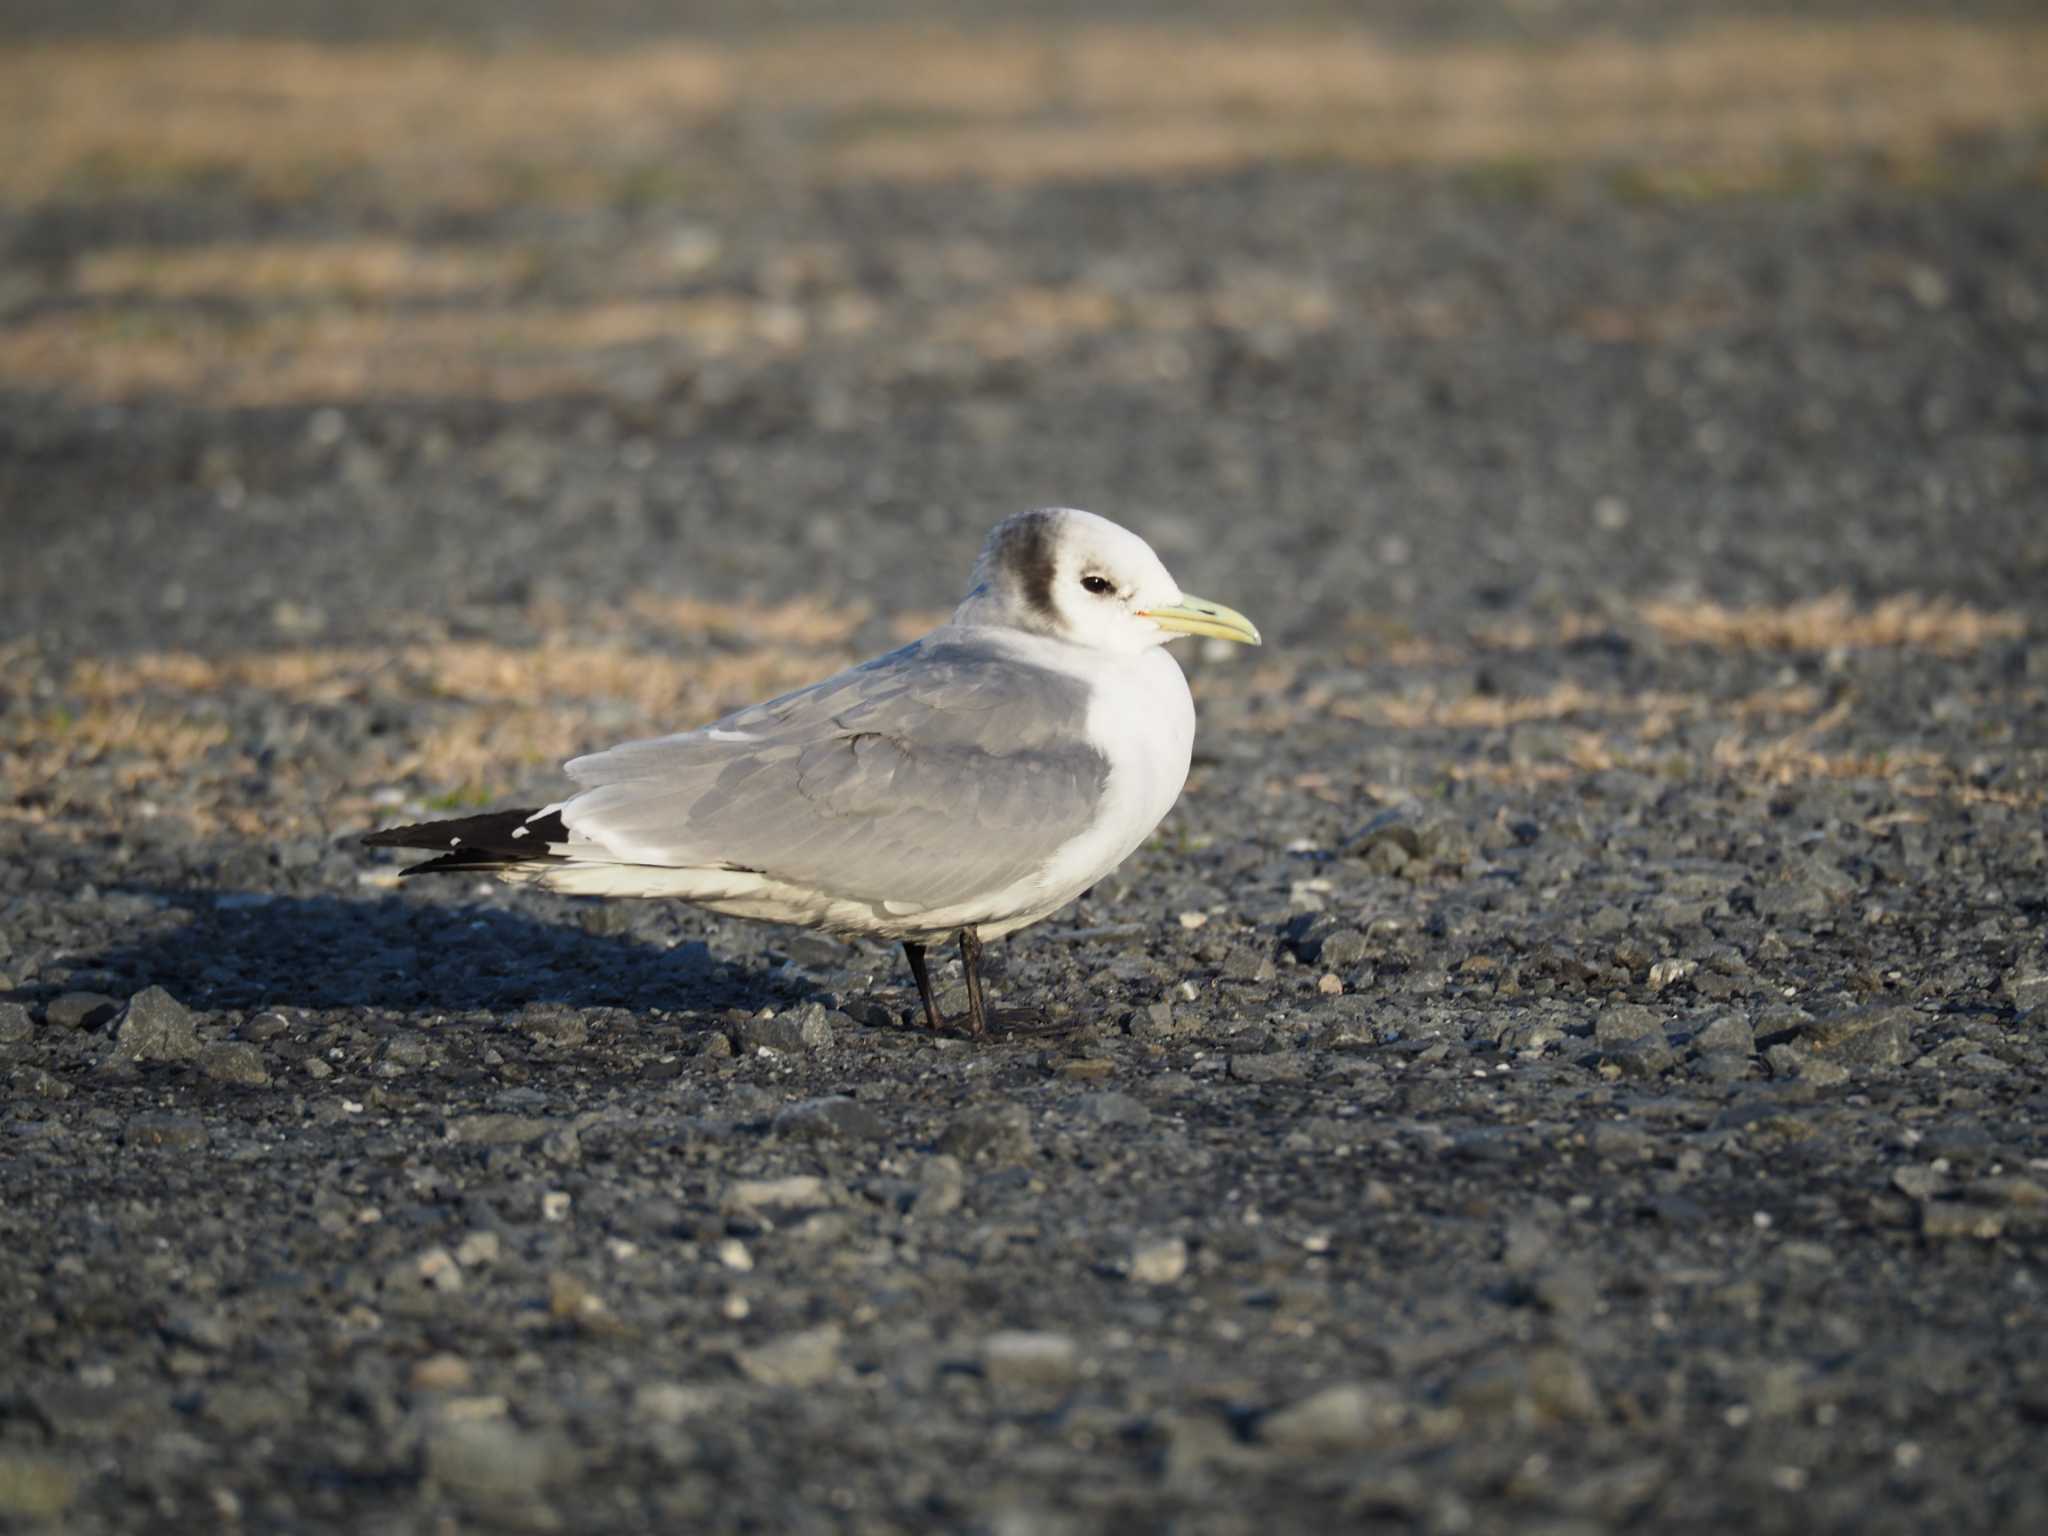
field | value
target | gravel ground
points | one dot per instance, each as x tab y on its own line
1572	1062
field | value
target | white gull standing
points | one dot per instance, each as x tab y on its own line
971	783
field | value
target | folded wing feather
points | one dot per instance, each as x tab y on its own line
925	777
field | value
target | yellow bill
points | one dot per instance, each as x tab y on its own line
1199	616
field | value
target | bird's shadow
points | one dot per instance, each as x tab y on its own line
247	950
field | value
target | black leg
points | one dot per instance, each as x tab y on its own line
970	962
915	954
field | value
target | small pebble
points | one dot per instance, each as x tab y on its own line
15	1024
672	1402
234	1061
733	1254
80	1010
1029	1359
941	1186
800	1191
489	1459
1000	1132
1159	1263
807	1027
171	1132
803	1359
835	1118
1348	1417
443	1372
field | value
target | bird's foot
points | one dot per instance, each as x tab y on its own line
913	1020
1024	1023
1000	1024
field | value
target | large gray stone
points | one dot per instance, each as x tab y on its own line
155	1027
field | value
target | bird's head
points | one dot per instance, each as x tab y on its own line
1080	578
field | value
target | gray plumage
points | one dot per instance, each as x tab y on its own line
912	781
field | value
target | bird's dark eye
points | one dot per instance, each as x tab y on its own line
1099	585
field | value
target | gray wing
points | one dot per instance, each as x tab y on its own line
928	776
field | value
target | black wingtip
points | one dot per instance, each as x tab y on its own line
495	840
396	837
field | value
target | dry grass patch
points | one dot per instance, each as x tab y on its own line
1656	323
1791	758
306	676
108	717
1027	321
1529	635
1655	713
441	125
447	124
138	745
300	354
1907	621
355	269
489	714
769	643
141	339
533	709
1758	741
682	691
1755	764
269	359
147	739
1126	101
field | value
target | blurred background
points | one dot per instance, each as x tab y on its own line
324	327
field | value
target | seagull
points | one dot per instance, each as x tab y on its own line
967	785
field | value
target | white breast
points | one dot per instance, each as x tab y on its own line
1142	718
